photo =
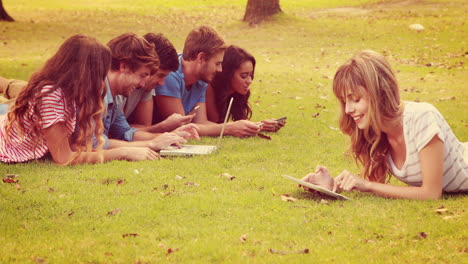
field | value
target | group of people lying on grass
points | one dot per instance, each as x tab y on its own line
92	103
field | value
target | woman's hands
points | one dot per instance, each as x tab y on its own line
348	182
321	177
243	128
344	181
273	125
138	153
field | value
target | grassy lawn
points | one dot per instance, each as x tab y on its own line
180	210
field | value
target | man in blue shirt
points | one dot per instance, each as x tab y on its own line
186	88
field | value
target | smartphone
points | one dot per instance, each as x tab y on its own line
281	119
194	109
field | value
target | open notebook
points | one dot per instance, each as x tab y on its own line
317	188
189	150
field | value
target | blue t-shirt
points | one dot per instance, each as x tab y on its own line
174	86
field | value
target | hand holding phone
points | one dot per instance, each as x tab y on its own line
194	110
282	119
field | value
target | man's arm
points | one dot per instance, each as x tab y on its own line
168	105
143	114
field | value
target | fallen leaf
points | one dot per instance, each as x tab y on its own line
441	210
423	235
416	27
281	252
51	190
227	175
114	212
447	217
178	177
12	176
120	182
71	213
315	115
109	254
448	98
243	238
287	198
264	136
39	260
170	250
130	235
17	186
192	184
7	180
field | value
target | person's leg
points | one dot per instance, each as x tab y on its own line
14	88
10	90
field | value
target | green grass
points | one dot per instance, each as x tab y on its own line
61	214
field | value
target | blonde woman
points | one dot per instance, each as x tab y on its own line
409	140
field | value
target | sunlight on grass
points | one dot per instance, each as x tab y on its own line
140	212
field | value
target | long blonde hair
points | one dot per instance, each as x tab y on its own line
78	68
369	74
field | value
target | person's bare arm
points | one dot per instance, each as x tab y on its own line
143	114
59	147
432	164
241	128
211	110
168	105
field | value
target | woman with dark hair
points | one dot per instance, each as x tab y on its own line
234	81
60	110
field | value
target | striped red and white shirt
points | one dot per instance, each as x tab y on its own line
25	146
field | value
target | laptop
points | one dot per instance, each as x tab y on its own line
190	150
317	188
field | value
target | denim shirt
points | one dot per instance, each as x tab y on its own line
115	124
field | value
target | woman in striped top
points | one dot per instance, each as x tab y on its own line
60	110
412	141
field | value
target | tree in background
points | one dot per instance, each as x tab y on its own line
4	15
257	10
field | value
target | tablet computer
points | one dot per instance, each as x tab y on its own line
317	188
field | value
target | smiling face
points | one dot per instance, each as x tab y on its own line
130	80
210	67
156	79
242	78
357	107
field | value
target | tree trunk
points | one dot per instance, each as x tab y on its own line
4	15
257	10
